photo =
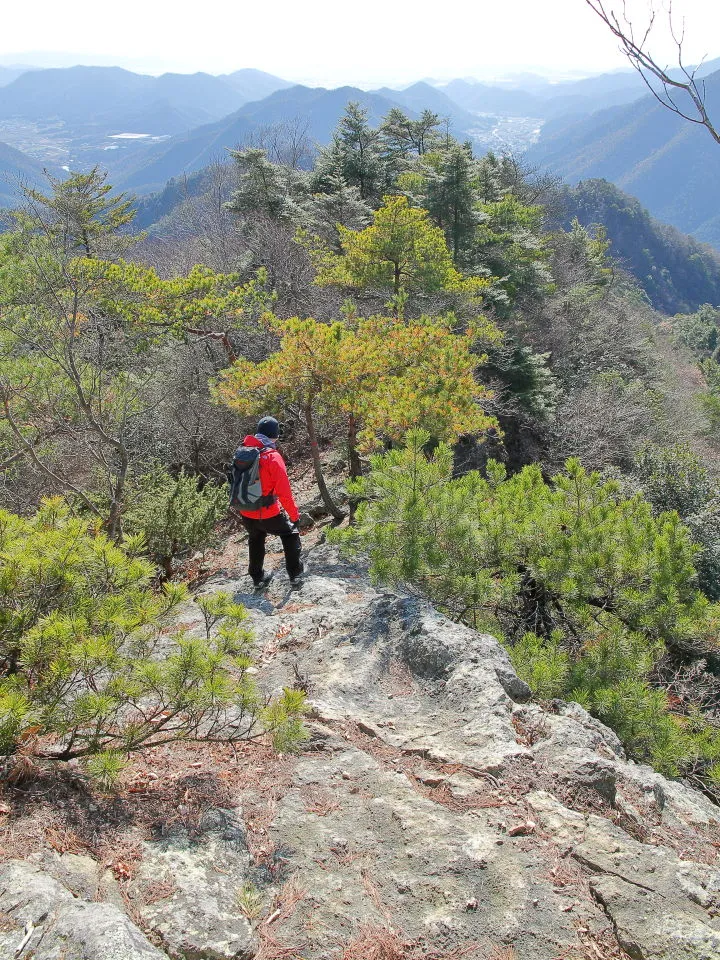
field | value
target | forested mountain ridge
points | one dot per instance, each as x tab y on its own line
670	165
15	168
676	272
146	130
536	96
254	84
422	96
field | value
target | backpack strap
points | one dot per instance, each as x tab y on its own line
267	499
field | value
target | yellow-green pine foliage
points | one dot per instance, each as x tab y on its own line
83	213
386	374
589	588
401	249
174	515
90	666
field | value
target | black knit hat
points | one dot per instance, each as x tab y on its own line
269	427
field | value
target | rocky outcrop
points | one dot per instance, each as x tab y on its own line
42	919
434	803
661	906
200	917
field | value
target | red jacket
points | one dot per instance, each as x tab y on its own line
273	479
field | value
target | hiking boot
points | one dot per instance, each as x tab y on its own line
297	580
264	581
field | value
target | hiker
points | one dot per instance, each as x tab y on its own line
260	491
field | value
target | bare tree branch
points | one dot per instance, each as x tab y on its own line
672	89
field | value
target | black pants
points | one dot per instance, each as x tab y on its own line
281	527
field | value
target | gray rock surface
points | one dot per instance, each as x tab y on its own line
199	917
61	927
662	907
433	801
447	789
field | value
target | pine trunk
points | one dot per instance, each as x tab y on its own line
332	509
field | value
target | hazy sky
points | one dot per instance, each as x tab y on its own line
328	41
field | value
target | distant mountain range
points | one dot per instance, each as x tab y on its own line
549	100
671	166
77	117
127	122
8	74
113	100
423	96
321	109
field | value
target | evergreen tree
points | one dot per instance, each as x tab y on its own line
83	214
403	137
78	340
674	478
400	250
588	588
508	243
337	205
264	188
173	515
699	330
80	675
354	154
377	377
451	200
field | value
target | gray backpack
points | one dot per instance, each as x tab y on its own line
244	479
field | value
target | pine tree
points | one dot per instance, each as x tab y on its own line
588	588
452	198
403	137
78	338
80	635
354	154
83	214
378	377
400	250
336	205
265	188
173	515
508	243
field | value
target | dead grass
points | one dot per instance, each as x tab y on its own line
597	945
374	893
414	766
7	923
319	800
375	942
272	946
698	842
529	730
157	890
565	873
167	788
